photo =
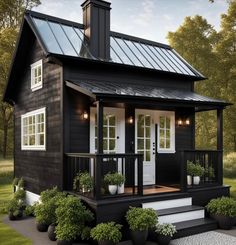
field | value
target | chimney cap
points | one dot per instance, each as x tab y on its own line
99	3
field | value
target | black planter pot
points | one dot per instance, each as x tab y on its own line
64	242
51	232
20	214
139	237
224	222
42	227
11	216
163	240
106	243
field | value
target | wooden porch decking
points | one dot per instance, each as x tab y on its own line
155	189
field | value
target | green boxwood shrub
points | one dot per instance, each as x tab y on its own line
141	219
15	207
20	194
230	165
114	179
107	232
165	229
195	169
222	206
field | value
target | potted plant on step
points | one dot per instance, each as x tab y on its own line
223	210
83	182
107	233
140	220
165	233
190	172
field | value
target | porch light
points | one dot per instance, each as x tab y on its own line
85	115
180	122
187	121
130	120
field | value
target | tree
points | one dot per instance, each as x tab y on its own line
11	12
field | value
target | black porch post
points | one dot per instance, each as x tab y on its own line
100	127
220	145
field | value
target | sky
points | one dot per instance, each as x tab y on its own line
148	19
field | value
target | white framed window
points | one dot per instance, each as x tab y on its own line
166	132
37	75
33	130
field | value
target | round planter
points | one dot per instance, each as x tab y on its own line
106	243
163	240
224	222
64	242
112	189
51	232
196	180
41	227
11	216
189	179
139	237
121	189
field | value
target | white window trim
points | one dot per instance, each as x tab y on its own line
37	86
34	147
170	114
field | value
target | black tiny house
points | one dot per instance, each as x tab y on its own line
89	99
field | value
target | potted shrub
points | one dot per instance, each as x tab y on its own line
198	172
120	180
20	194
85	235
29	210
113	180
223	210
15	184
15	209
140	220
72	217
190	172
164	233
83	182
107	233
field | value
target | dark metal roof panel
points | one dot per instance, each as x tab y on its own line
121	89
67	38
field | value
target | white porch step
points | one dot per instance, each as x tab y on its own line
180	214
171	203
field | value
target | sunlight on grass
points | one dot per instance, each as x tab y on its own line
232	183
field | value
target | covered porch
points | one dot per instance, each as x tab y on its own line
170	164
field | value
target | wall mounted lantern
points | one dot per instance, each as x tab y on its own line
130	120
183	122
85	115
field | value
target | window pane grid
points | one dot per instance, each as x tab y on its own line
164	133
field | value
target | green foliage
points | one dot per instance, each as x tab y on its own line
195	169
222	206
140	219
210	172
83	180
165	229
15	181
14	207
85	235
29	210
114	179
107	232
72	217
230	165
20	194
45	211
21	183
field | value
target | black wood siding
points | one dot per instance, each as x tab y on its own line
40	169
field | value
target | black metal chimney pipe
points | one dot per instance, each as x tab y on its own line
96	20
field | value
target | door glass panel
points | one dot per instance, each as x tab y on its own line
112	132
140	143
164	132
148	158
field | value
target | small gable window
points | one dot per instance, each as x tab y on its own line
37	75
33	133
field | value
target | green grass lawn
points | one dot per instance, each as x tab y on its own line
232	183
8	236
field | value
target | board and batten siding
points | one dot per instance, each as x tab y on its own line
40	169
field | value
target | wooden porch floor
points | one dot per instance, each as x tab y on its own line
153	189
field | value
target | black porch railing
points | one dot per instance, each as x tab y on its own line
98	165
210	160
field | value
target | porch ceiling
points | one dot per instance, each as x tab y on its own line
108	90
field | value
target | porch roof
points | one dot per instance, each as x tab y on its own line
104	89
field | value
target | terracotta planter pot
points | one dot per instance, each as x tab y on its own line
224	222
41	227
163	240
139	237
51	232
196	180
64	242
112	189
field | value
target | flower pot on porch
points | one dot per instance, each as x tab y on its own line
163	240
189	179
139	237
196	180
121	189
51	232
112	189
224	222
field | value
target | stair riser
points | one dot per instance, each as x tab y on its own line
179	217
173	203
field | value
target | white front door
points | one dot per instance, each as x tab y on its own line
113	130
154	132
